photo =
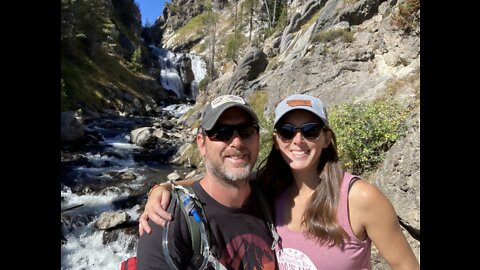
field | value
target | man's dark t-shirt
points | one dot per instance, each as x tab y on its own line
240	236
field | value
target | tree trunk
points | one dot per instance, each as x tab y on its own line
265	2
274	19
250	24
236	17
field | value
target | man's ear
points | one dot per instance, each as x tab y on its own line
201	144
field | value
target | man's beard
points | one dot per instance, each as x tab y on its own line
236	177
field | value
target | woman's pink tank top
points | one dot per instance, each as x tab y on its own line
296	251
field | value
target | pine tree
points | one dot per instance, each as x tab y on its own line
136	60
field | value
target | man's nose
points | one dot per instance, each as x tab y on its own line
236	139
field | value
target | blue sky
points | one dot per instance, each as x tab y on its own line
150	9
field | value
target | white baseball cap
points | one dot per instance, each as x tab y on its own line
301	102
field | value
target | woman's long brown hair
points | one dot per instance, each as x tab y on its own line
319	217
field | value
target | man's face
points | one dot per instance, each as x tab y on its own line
232	159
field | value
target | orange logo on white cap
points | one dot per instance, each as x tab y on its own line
299	102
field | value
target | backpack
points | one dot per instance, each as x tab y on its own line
129	264
197	223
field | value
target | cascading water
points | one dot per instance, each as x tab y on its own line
180	72
103	177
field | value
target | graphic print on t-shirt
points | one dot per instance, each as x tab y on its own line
250	251
292	259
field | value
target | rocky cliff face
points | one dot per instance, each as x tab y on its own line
342	52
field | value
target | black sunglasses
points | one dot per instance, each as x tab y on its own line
310	131
224	132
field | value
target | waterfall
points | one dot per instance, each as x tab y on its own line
180	72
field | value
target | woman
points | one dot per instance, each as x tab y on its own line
326	218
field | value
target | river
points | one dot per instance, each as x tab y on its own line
105	176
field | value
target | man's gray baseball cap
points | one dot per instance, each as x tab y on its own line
214	109
301	102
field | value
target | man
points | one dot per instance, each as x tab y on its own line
228	141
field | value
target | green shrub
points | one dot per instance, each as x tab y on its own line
347	37
258	101
266	141
199	48
330	35
195	26
282	19
202	85
407	18
365	132
234	42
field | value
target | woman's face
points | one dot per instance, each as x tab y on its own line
299	152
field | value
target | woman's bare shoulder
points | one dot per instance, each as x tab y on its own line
364	194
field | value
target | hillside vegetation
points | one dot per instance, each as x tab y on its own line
103	61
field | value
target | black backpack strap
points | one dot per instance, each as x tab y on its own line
187	200
267	213
193	225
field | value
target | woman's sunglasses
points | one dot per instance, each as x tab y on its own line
224	132
310	131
